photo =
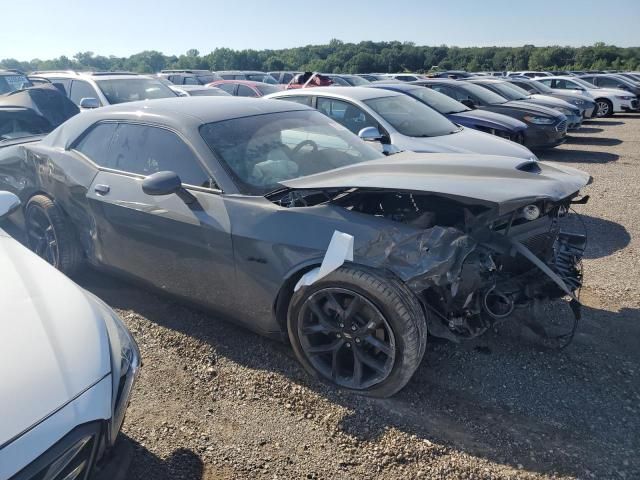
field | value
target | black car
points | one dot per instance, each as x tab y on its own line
534	87
513	92
267	213
547	127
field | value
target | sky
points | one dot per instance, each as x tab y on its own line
45	29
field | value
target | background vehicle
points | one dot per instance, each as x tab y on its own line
608	100
400	122
250	75
546	127
285	76
97	89
372	77
485	121
514	93
534	87
189	77
64	402
245	88
529	74
455	74
198	91
403	77
12	80
245	231
33	111
348	80
613	81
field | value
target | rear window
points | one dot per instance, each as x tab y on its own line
11	83
133	89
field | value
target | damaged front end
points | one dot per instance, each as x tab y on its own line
473	262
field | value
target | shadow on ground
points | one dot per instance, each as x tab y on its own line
604	123
601	141
589	130
604	237
181	464
576	156
501	397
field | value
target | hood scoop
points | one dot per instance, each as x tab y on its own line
530	166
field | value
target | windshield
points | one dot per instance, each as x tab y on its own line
339	81
582	83
506	91
133	89
438	101
411	117
204	79
11	83
356	81
485	96
541	86
261	77
263	150
21	122
266	89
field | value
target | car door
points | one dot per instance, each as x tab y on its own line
81	89
346	113
182	249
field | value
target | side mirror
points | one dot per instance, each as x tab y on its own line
468	103
162	183
166	183
89	103
9	203
370	134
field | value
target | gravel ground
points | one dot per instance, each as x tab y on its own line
215	401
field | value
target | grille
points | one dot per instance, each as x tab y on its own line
562	126
541	245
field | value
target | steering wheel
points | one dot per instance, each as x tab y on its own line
303	144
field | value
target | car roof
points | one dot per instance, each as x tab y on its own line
90	75
249	83
438	80
240	72
180	113
354	93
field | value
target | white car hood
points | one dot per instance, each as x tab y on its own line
53	340
611	91
465	141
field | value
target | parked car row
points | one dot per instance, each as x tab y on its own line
350	221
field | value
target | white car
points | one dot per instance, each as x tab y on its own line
67	367
400	122
608	100
89	90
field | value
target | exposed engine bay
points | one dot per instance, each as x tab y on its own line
504	266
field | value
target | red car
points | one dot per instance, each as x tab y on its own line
246	88
308	80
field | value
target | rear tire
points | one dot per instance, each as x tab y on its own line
373	346
605	107
50	234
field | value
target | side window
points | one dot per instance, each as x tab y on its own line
286	78
80	90
94	144
525	86
62	84
191	81
301	99
228	77
244	91
454	93
144	150
227	87
347	114
607	82
548	83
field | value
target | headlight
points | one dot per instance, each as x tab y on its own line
533	158
624	97
531	212
566	111
125	364
539	120
578	102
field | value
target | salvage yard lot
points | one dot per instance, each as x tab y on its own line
215	401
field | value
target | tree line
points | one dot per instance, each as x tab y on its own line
368	56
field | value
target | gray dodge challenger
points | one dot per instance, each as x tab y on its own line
273	215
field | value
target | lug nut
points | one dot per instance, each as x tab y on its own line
338	335
354	328
348	345
357	340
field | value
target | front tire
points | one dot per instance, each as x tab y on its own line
51	235
358	329
605	107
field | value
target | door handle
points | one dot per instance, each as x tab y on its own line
102	189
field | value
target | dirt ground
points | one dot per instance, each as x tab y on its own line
215	401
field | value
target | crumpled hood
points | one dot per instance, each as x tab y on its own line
489	119
53	340
465	141
499	182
